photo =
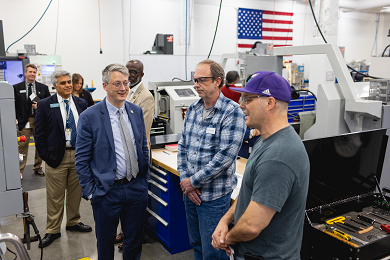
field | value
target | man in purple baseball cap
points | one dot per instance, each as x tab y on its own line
275	183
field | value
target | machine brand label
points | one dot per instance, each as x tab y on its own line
169	38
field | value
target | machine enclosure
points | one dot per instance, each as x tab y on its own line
317	244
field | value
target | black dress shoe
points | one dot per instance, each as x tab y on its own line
39	173
80	227
48	239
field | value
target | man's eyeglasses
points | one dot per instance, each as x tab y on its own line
119	84
201	80
134	72
246	99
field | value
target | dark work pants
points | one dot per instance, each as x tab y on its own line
126	202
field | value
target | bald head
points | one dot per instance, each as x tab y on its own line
136	64
136	72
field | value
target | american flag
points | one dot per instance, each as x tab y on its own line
265	26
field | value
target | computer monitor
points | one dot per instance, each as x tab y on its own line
47	70
12	69
163	44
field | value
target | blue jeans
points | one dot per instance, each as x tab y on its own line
201	222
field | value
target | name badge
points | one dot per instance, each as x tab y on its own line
22	91
32	96
54	105
68	134
210	130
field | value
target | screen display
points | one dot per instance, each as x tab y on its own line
13	73
185	92
47	70
340	166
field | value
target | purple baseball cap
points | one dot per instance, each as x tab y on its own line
268	84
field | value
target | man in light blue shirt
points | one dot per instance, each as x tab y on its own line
119	150
112	162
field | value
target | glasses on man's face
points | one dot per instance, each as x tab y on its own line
134	72
201	80
247	99
118	84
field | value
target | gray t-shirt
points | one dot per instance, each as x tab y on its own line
206	111
277	176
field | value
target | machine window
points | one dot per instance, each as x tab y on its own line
186	92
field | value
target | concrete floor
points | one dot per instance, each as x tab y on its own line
73	245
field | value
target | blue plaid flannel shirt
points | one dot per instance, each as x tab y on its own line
210	158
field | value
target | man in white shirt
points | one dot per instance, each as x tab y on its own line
56	120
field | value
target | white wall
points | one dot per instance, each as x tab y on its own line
384	29
129	28
78	33
357	34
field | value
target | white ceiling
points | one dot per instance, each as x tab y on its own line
371	6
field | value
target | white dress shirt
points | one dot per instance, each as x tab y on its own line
134	89
64	112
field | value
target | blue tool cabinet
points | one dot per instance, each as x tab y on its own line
165	213
303	103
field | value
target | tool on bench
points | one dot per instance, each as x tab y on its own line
342	234
358	222
339	235
342	226
384	227
365	219
375	215
345	236
341	219
335	220
341	238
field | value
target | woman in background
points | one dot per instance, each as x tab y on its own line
232	78
79	91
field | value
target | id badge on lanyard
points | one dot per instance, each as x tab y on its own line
68	134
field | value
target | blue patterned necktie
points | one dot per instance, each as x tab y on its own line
71	124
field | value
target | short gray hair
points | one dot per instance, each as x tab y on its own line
58	73
106	73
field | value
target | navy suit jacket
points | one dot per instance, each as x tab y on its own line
95	151
49	129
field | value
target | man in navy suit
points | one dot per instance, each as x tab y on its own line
56	119
112	162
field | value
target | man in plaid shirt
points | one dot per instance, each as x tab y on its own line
212	135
